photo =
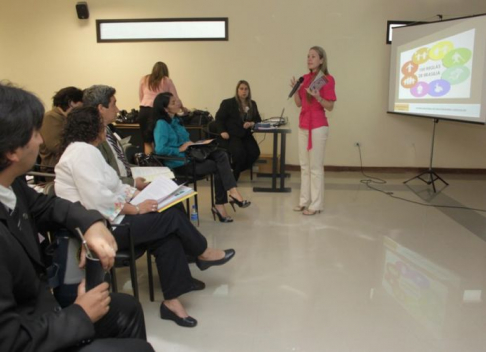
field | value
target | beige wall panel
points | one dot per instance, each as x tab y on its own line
44	47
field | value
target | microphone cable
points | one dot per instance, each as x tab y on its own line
376	180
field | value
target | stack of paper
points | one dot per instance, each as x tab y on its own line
165	191
150	173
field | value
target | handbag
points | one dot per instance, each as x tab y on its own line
200	152
64	275
142	159
197	118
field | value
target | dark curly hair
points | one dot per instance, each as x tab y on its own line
83	125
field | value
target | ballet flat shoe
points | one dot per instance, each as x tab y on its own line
197	285
167	314
206	264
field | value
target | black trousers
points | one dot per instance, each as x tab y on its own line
121	329
217	164
145	120
244	152
168	236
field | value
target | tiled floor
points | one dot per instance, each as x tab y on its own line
371	273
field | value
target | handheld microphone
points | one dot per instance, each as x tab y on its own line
296	86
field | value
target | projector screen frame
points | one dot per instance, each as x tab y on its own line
435	117
393	65
390	25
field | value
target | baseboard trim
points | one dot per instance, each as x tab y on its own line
384	169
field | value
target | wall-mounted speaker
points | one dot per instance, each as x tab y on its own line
82	10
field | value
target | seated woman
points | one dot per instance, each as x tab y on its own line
172	139
236	117
83	175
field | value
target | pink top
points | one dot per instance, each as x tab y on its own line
147	96
312	114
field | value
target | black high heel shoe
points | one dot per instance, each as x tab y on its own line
167	314
240	204
220	217
206	264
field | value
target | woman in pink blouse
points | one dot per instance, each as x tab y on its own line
315	96
150	86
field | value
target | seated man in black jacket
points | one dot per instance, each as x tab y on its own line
30	317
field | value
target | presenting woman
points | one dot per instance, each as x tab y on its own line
83	175
151	86
315	96
236	117
172	139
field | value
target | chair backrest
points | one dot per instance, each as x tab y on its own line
130	152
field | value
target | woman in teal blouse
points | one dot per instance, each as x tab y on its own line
172	139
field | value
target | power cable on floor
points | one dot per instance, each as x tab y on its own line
376	180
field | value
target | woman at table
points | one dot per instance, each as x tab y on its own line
315	96
172	139
236	117
150	86
82	175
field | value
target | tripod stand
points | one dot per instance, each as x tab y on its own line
432	176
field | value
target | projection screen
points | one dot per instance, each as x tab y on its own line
438	70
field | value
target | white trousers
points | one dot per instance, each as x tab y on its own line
312	168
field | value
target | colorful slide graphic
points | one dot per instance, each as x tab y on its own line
420	286
442	69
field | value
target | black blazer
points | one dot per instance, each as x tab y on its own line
229	120
30	318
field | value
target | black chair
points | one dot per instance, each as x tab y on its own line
188	176
128	257
123	258
190	259
66	292
41	174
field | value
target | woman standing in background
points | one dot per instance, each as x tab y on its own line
150	86
315	96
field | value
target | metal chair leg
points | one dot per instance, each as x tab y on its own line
133	275
150	275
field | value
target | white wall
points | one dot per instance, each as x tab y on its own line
44	47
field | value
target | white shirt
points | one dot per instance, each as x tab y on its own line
83	175
8	197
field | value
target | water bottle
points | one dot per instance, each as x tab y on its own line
194	216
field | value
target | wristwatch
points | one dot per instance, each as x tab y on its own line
138	209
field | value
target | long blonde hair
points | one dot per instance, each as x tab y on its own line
323	67
159	71
322	54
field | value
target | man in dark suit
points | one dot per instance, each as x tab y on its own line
30	317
